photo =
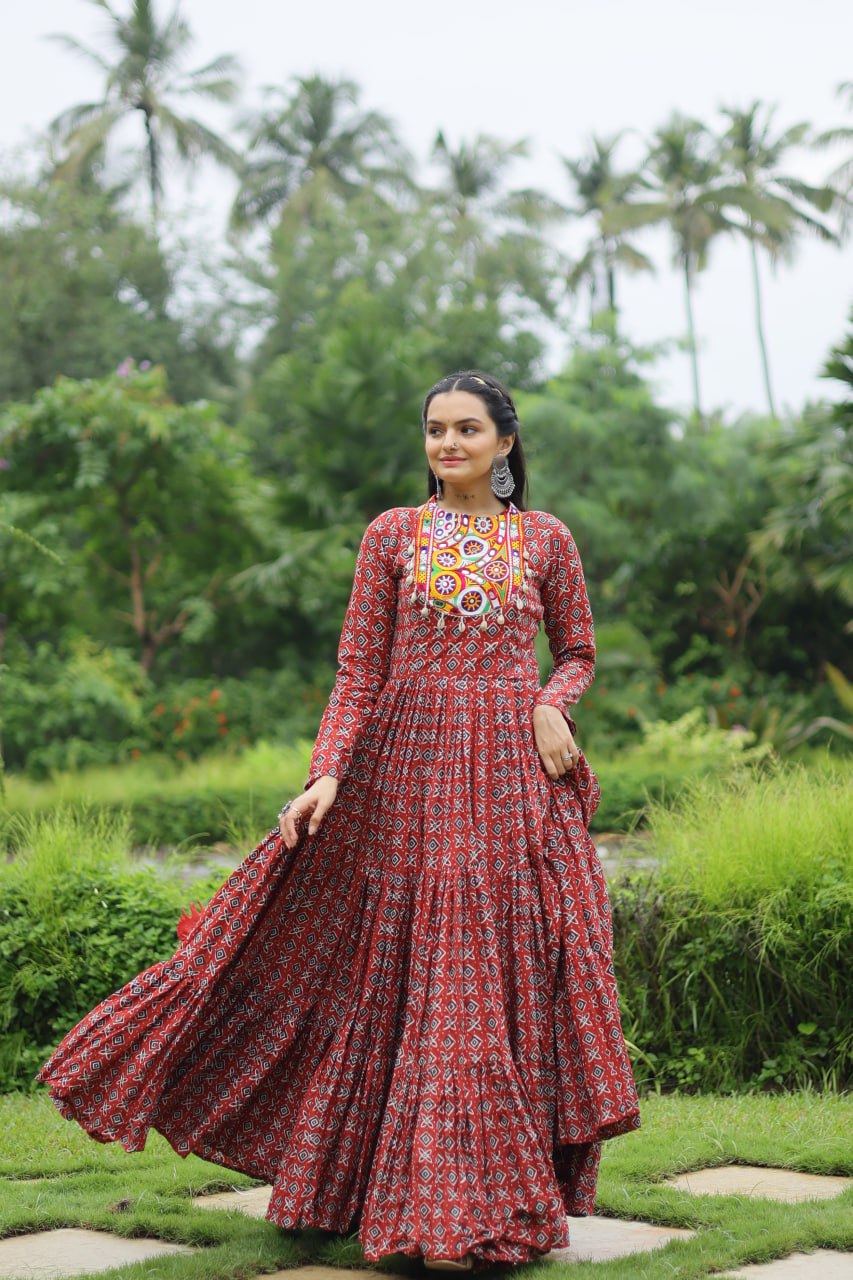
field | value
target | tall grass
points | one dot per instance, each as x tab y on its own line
232	798
735	957
112	785
740	842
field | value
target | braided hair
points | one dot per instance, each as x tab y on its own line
501	409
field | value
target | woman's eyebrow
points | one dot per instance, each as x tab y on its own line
439	422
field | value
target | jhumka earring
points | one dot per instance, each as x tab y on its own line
503	482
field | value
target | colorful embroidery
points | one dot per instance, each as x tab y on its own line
468	565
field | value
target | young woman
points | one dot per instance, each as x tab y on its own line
400	1010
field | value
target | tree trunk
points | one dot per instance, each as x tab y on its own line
611	290
759	322
691	341
153	151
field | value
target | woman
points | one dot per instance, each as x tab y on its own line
400	1010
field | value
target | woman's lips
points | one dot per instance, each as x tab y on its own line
450	462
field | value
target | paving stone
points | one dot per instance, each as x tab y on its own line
753	1180
253	1201
74	1252
592	1239
596	1239
828	1264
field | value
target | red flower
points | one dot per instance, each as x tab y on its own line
734	691
221	717
159	710
215	695
188	921
136	753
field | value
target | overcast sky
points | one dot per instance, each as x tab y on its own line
551	71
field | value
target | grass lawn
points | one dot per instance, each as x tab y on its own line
52	1175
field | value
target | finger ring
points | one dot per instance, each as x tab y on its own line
284	809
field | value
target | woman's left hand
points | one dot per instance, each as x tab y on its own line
554	740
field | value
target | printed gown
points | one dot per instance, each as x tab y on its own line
408	1024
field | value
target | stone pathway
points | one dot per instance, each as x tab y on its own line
49	1255
823	1264
755	1180
71	1251
593	1239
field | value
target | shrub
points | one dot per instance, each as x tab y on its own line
77	920
733	959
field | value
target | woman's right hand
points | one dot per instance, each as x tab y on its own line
313	804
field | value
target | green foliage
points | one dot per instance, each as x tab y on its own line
149	499
75	923
67	712
84	287
733	957
232	795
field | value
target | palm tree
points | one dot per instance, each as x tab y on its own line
681	169
599	187
775	207
143	79
841	178
494	232
312	141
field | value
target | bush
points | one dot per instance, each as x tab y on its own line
77	920
733	960
93	705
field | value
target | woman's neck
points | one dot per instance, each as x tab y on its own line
471	500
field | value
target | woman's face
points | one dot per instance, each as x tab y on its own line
461	439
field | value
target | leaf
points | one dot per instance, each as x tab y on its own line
842	686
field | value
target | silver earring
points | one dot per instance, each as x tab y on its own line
503	482
439	487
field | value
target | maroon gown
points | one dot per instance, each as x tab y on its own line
409	1023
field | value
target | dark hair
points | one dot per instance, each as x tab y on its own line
502	412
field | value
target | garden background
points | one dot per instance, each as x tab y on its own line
190	451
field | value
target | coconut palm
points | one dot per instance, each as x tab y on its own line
312	141
775	206
681	170
145	78
841	178
599	187
495	233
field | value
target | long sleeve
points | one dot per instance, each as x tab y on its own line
364	650
568	621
